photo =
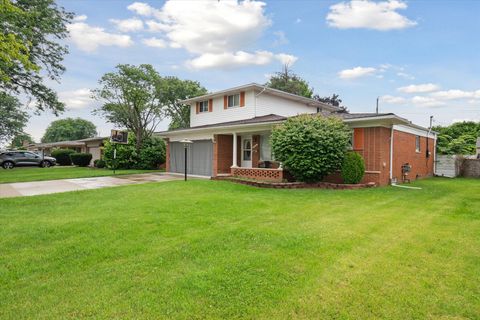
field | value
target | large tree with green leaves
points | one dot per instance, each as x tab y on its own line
458	138
286	80
20	139
131	99
171	91
31	49
12	118
69	129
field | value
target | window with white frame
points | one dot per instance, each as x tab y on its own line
233	100
265	148
203	106
417	143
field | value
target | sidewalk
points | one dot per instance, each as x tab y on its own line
34	188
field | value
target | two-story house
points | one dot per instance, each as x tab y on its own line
230	130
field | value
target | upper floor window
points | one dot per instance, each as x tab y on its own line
417	143
203	106
233	100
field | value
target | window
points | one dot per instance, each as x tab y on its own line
247	149
30	155
203	106
234	100
265	148
417	143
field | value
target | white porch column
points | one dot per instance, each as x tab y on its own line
234	165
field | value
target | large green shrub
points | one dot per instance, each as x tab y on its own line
150	156
81	159
309	146
63	156
353	168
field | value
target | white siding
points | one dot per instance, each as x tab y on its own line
270	104
254	107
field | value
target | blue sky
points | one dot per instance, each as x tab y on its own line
420	57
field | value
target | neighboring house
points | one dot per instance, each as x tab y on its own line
231	134
89	145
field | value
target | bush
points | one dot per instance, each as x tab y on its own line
99	163
150	156
353	168
81	159
310	147
63	156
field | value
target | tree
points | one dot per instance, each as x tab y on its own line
13	118
458	138
69	129
334	100
19	139
286	80
171	90
310	147
131	99
30	49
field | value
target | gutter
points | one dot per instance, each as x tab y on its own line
391	154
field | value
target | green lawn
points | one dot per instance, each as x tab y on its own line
213	249
54	173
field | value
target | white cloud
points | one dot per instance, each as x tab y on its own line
405	75
286	58
419	88
128	25
229	60
77	99
368	14
456	94
89	38
80	18
298	20
154	42
421	101
356	72
143	9
217	33
393	99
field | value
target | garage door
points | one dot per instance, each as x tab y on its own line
200	155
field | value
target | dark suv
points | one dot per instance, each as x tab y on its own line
10	159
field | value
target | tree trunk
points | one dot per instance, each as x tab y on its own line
138	139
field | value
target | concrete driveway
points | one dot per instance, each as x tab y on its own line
34	188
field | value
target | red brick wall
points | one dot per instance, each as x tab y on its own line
404	152
222	154
374	146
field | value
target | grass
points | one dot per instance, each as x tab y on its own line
54	173
213	249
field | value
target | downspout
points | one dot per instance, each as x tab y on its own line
255	102
391	154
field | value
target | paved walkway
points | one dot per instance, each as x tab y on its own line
34	188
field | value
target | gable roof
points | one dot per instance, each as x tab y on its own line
262	88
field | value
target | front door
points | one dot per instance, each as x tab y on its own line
247	151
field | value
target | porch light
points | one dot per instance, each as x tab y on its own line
186	142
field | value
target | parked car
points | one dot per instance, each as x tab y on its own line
10	159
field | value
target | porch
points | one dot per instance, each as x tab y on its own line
245	155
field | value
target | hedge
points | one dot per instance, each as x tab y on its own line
353	168
99	163
63	156
81	159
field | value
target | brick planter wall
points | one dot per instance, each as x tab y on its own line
260	174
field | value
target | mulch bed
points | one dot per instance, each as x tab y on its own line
298	185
